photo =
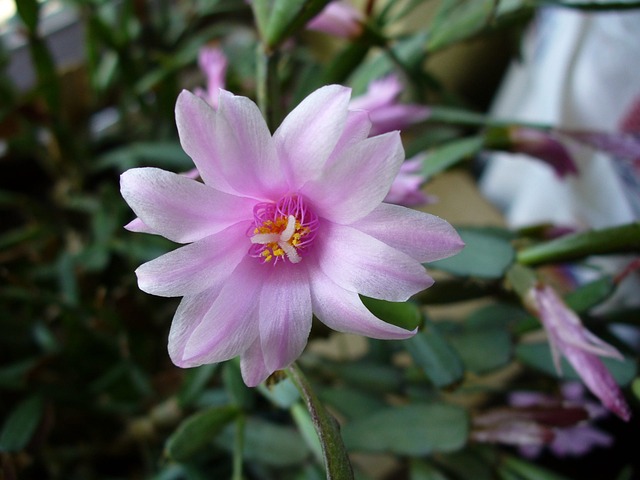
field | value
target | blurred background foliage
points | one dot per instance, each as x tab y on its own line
87	389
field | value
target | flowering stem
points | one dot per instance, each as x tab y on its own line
622	239
267	88
335	455
238	447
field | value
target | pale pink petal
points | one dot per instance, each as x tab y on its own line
178	208
252	365
231	324
358	181
197	124
138	226
579	440
380	93
231	147
406	188
599	381
213	63
568	337
285	315
253	166
360	263
356	129
343	311
385	112
338	18
309	134
188	316
195	267
425	237
397	117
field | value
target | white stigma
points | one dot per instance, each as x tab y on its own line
288	232
282	240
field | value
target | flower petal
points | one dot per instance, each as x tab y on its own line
178	208
356	129
197	266
285	315
188	316
308	135
197	124
358	181
599	380
231	324
568	337
360	263
232	147
425	237
252	365
343	311
138	226
397	117
251	164
339	18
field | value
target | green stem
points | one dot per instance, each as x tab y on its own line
622	239
238	447
267	88
336	458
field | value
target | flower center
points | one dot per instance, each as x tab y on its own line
282	231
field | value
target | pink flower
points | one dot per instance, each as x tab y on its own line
544	146
406	187
568	337
213	63
569	440
339	19
385	112
283	227
534	420
624	145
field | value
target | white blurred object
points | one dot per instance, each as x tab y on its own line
580	71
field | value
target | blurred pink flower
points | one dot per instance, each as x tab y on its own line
406	187
569	440
339	19
535	420
213	63
386	114
625	145
543	146
283	227
568	337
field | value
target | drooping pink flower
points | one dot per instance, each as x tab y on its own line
339	19
213	63
544	146
283	227
535	420
569	440
406	187
521	426
568	337
381	101
625	145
